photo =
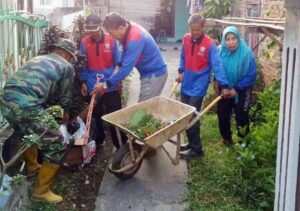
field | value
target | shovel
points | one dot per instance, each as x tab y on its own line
85	138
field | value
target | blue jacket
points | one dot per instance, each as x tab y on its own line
197	59
249	78
102	58
140	51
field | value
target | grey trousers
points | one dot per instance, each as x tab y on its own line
152	86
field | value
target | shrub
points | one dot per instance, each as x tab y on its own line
256	163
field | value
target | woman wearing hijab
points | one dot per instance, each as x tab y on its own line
240	68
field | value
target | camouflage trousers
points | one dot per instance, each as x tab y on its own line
27	122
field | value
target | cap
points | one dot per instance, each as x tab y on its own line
93	23
67	45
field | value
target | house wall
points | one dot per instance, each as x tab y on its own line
273	8
270	58
141	12
48	7
181	18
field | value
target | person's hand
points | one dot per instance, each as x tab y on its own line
99	89
226	93
64	119
233	93
179	78
84	90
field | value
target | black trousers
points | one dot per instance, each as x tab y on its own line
106	104
241	109
193	133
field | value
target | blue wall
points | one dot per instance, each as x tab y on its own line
181	18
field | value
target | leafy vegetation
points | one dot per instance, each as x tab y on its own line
217	8
144	124
18	180
257	162
241	177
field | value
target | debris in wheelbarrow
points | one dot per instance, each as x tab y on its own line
144	124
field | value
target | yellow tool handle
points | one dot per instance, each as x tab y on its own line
207	108
175	84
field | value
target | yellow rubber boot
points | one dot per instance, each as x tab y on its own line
30	157
45	179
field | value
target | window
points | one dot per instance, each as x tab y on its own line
45	2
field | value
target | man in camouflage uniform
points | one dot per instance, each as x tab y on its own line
43	81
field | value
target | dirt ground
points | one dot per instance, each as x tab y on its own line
80	185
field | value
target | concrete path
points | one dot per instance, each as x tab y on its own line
158	185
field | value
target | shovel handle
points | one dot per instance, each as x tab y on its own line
86	136
205	110
175	84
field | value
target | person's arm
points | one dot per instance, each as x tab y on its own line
130	58
219	72
217	66
66	87
249	78
83	73
181	67
117	58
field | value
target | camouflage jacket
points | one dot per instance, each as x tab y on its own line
43	81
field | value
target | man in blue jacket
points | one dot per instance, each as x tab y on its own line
198	57
140	51
102	55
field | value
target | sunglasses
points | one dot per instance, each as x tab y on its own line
92	28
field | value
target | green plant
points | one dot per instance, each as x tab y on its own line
18	180
241	177
47	119
211	178
40	205
144	124
256	162
259	82
217	8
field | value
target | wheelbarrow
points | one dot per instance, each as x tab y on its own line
128	159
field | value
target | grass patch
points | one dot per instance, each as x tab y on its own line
209	182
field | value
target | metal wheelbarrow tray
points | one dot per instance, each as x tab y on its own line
162	108
128	159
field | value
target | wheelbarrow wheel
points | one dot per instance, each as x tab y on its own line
122	158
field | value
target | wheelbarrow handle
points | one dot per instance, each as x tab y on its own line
205	110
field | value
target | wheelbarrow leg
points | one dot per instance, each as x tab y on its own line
175	161
119	137
132	157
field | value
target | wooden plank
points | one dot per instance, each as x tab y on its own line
270	21
257	44
269	26
269	34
